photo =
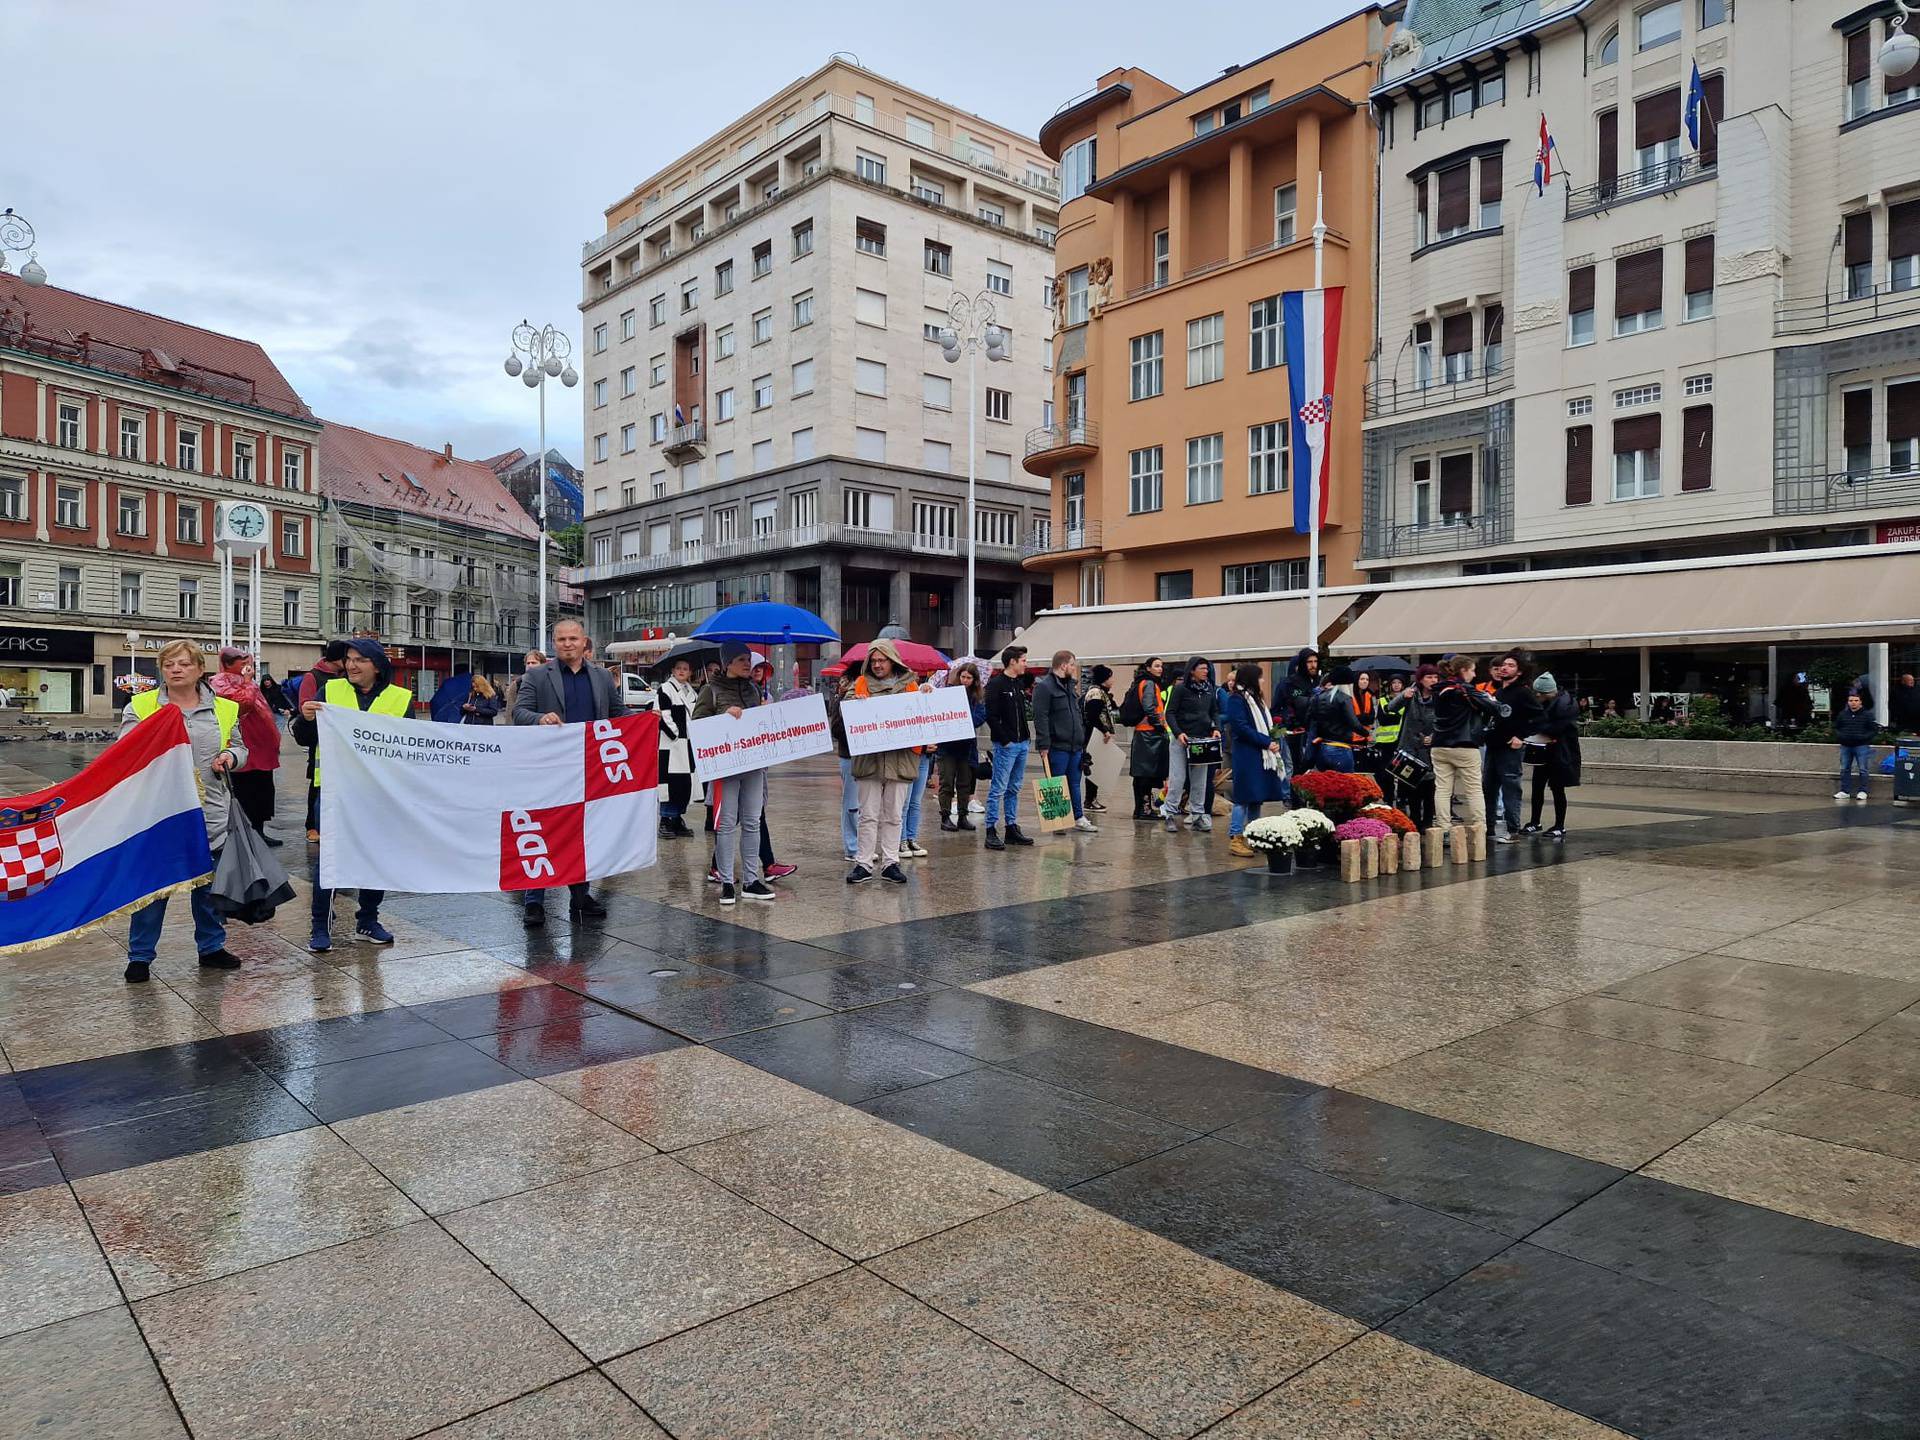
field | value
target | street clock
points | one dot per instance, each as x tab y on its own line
240	526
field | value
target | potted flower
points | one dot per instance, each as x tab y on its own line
1361	828
1279	837
1316	836
1397	821
1336	792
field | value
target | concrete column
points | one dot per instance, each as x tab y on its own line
1124	217
1306	156
900	598
1179	194
1773	684
1880	676
830	580
1239	199
1646	683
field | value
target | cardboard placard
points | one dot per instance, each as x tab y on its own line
765	735
1052	805
913	717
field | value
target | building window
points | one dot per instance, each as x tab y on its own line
1147	366
9	582
1077	308
1073	508
13	497
629	435
1657	25
599	394
290	612
1580	306
689	295
869	377
1656	135
762	391
187	450
1636	458
1206	349
1206	468
723	405
1285	204
928	190
994	526
802	377
1000	405
1635	396
722	343
131	516
186	523
999	278
764	517
803	309
1489	216
1173	585
1697	385
629	384
1579	474
869	167
870	444
69	506
1637	292
866	509
1266	345
129	592
68	429
1076	170
803	239
937	456
133	436
1580	406
870	308
936	526
1145	481
629	327
723	278
936	392
377	616
763	259
991	213
726	525
187	605
243	459
599	338
1454	189
870	237
939	258
292	538
1267	458
803	509
1162	259
343	614
1857	256
656	312
802	446
1696	448
762	327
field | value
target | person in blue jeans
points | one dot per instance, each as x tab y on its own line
1854	728
1060	729
1007	725
910	846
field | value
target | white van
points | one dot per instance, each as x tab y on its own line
635	692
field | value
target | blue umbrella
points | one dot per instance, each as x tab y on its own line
762	622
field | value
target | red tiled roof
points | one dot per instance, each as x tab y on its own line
504	461
359	468
81	330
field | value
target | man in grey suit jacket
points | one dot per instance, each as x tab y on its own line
568	690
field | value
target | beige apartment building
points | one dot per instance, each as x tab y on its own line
768	412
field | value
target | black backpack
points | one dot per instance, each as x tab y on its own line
1133	709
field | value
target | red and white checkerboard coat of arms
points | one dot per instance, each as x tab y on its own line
29	850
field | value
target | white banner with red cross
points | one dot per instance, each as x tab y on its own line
414	806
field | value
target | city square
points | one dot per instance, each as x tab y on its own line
1205	728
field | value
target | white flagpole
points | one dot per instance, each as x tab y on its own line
1313	467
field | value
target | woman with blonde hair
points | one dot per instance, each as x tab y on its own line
212	725
482	704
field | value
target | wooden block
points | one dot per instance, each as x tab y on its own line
1369	858
1457	844
1389	855
1477	842
1434	843
1410	850
1350	861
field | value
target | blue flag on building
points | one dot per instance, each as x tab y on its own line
1696	103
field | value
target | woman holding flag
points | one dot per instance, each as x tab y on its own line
217	751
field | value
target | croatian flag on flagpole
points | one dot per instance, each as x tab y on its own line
1312	325
126	830
430	809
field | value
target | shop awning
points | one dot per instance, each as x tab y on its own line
1861	593
1238	627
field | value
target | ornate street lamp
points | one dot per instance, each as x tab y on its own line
17	235
546	350
972	330
1901	52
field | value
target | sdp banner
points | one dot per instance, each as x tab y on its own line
913	717
765	735
421	807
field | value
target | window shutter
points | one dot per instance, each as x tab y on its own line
1456	334
1420	200
1859	238
1856	424
1580	289
1422	471
1490	326
1456	484
1903	411
1490	178
1903	228
1609	165
1656	118
1699	264
1454	191
1580	465
1642	432
1696	442
1423	333
1713	92
1636	282
1860	54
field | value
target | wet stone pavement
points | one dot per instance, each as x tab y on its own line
1112	1137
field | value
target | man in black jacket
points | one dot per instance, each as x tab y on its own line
1007	726
1294	703
1060	729
1520	716
1193	716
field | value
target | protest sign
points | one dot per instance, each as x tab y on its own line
765	735
913	717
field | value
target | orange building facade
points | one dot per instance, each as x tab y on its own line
1185	215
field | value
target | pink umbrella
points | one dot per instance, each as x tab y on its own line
921	659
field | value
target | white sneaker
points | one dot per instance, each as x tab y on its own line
974	807
1839	794
1087	825
1861	797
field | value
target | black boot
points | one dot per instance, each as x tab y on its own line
993	839
1015	837
964	823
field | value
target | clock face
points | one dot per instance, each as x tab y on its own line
246	521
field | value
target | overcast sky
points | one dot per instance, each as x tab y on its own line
378	190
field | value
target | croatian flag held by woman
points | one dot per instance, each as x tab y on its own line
1312	323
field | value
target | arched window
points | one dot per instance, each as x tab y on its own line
1610	49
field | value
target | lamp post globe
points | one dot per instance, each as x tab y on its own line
1899	55
569	377
33	274
513	366
532	378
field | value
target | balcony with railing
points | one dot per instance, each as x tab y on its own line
1046	539
1050	445
1405	397
1438	537
685	439
799	537
1817	492
1654	179
1893	301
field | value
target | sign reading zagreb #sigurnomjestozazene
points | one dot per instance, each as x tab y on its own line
913	717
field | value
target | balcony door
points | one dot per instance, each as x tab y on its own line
1076	403
1073	508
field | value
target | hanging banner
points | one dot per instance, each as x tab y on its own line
913	717
422	808
765	735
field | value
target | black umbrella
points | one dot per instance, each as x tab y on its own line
1379	664
696	652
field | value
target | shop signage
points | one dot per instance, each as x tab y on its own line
1899	532
45	647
